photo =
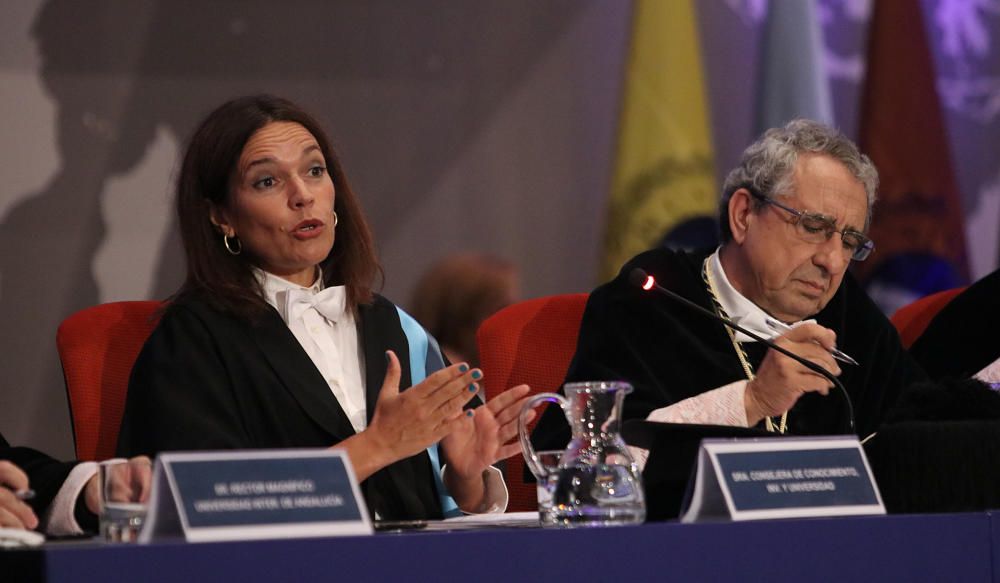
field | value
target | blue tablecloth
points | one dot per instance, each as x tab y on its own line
944	547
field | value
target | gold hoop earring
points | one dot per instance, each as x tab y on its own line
239	244
335	219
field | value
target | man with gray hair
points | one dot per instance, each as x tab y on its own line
793	216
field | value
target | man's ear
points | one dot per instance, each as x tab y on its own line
217	215
740	214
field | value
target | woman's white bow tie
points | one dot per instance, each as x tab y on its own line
330	303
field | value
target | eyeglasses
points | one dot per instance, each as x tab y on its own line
814	228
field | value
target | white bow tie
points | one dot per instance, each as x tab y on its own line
330	303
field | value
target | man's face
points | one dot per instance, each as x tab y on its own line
789	277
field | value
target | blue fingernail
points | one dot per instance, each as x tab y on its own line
463	367
477	375
468	413
387	356
472	388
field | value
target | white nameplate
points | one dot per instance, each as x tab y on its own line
749	479
255	494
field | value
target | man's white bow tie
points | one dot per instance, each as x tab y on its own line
330	303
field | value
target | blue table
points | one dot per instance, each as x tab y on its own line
945	547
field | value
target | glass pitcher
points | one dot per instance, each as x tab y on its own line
597	482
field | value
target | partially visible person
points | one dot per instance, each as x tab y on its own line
963	339
456	294
67	497
277	338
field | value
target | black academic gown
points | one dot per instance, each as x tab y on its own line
937	442
45	475
669	352
964	337
208	380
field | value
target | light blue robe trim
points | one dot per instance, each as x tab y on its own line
425	358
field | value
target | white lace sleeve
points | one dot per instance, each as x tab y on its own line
990	374
722	406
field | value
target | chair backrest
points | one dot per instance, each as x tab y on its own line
97	348
529	342
912	319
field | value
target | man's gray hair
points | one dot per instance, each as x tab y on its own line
768	165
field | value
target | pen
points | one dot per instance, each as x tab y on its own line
24	494
782	327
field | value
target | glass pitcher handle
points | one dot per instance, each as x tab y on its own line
530	457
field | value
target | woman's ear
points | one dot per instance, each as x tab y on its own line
740	214
217	215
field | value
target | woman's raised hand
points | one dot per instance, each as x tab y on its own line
406	423
488	435
479	441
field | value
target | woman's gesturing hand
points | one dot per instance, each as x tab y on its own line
488	435
406	423
479	441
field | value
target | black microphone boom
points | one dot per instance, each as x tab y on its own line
643	280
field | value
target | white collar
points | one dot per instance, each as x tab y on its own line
740	309
273	285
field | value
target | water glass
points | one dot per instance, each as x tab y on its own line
545	487
122	514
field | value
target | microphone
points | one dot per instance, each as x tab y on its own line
639	278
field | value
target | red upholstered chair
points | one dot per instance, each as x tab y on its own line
97	348
529	342
912	319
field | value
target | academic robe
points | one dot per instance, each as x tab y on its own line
45	475
964	337
209	380
669	352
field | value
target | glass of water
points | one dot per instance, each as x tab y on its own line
122	511
546	486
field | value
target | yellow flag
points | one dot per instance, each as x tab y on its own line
664	172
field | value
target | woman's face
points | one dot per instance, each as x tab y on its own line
281	204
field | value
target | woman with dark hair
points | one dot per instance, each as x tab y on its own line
276	338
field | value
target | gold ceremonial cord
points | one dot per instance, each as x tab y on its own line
706	274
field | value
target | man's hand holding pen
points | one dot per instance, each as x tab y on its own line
834	352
